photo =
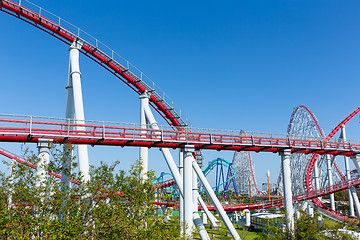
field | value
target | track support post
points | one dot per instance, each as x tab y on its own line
143	151
214	199
79	116
187	183
44	146
348	177
181	199
330	180
285	161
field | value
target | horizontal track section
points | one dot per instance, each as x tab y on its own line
15	128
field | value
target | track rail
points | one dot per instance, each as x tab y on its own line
310	169
98	52
29	129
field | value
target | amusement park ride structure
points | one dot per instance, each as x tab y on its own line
301	147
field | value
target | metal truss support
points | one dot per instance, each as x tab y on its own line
214	199
75	105
330	180
348	177
285	163
143	154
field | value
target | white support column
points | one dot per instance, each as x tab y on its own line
348	176
196	217
69	115
214	199
11	183
204	217
181	199
78	106
166	152
285	161
143	154
316	176
187	193
44	146
330	180
211	217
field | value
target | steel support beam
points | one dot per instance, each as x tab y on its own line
330	180
181	199
187	193
285	161
348	177
79	116
143	153
44	146
214	199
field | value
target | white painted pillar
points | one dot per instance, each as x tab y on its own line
143	154
316	176
44	146
285	161
181	199
211	217
11	183
166	152
187	193
196	217
69	115
348	176
214	199
79	107
204	217
330	180
247	218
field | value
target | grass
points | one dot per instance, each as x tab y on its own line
221	234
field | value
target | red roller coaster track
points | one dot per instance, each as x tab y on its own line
310	169
30	130
93	52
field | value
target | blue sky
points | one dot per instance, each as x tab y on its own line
228	65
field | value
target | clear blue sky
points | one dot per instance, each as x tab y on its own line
228	65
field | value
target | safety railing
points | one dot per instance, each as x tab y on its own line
67	128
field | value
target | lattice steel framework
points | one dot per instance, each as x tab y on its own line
244	170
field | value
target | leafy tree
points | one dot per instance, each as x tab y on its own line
112	205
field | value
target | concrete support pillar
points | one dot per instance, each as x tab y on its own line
143	154
187	193
214	199
75	78
330	180
348	176
44	146
181	199
285	161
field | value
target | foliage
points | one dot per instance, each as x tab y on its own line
109	206
307	227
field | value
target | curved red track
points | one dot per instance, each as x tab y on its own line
310	169
121	72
